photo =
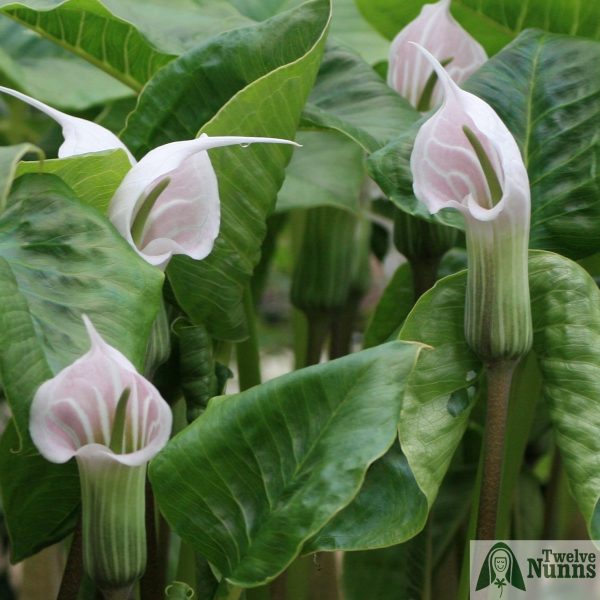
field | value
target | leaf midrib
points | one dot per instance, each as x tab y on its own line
127	80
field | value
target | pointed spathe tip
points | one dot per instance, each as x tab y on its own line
448	84
95	338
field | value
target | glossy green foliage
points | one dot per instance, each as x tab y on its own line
89	29
553	104
388	510
493	22
350	97
211	291
566	323
129	39
197	374
274	464
443	389
184	96
401	571
48	240
565	303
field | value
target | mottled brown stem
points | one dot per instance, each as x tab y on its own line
499	379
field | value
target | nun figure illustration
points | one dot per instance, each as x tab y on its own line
500	568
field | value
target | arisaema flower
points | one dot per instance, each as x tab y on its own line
168	203
411	75
465	158
100	411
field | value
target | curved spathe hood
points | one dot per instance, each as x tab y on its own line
185	218
436	30
447	172
72	414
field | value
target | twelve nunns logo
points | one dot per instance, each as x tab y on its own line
501	568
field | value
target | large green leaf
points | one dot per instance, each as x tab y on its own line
401	571
552	109
58	259
566	323
388	510
129	39
211	291
442	389
272	465
185	95
50	73
93	178
89	29
351	98
327	171
565	303
62	259
493	22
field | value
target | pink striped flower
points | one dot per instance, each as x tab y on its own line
168	203
411	75
465	158
101	412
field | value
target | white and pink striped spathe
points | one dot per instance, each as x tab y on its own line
446	170
72	414
185	218
436	30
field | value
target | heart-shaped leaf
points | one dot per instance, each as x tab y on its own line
272	465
